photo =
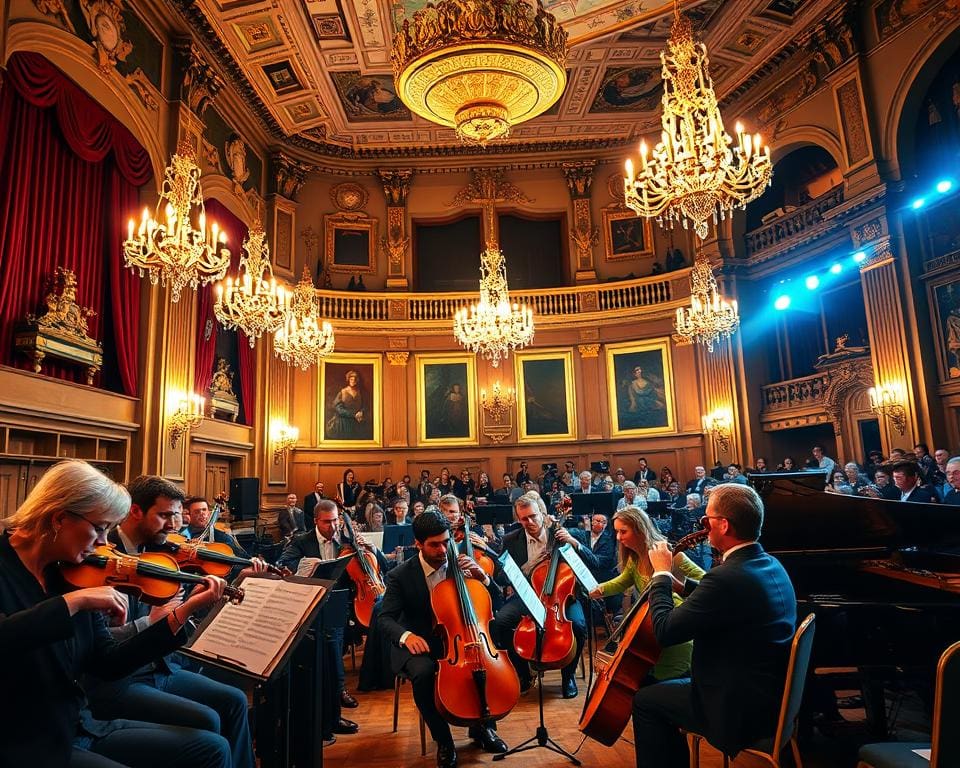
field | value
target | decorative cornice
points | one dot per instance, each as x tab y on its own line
288	176
589	350
396	184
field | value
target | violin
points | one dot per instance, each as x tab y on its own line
213	558
556	584
620	674
475	682
474	552
364	570
152	576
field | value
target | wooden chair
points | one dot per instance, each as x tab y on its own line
769	750
397	682
945	744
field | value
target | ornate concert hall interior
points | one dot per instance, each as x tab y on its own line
248	245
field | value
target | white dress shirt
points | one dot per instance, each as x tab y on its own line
536	550
328	549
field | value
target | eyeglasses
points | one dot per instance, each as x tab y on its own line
100	530
705	520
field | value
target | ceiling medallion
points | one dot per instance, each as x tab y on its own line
480	66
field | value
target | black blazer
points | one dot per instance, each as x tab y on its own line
919	494
741	617
46	650
515	543
952	497
309	502
605	551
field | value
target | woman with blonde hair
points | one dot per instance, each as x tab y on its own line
636	534
50	637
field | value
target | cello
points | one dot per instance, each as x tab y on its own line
364	571
479	555
475	682
619	674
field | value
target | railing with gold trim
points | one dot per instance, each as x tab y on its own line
551	306
804	392
802	224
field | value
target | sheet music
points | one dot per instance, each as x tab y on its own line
254	634
374	538
307	566
924	753
524	591
579	567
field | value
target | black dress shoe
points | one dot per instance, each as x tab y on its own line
446	756
346	726
569	688
488	739
346	700
525	684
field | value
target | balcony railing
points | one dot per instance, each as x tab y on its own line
805	392
551	306
801	225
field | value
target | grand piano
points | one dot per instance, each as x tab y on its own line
882	576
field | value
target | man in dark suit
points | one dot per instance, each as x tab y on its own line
311	499
528	545
906	477
406	618
291	518
699	480
952	488
601	542
644	473
741	617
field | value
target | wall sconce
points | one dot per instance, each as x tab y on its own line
887	400
719	423
499	404
284	438
187	416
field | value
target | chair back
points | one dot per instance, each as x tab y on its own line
945	747
797	668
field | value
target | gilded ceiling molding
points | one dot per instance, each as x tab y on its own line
200	83
489	185
396	184
105	21
288	176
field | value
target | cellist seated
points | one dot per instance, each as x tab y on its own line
407	619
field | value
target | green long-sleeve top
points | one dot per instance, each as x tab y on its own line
674	660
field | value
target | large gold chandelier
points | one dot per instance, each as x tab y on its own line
179	251
303	338
709	317
253	303
694	173
493	326
480	66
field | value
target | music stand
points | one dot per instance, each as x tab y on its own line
493	514
397	536
590	504
537	611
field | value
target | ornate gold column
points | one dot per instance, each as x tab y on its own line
396	186
592	380
274	382
584	234
287	178
720	404
395	406
889	339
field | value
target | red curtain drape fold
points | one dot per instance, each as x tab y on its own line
69	174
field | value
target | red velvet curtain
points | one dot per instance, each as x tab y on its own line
207	340
69	174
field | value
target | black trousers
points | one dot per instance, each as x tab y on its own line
659	712
508	618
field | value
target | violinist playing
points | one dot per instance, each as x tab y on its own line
49	638
407	619
741	618
636	534
163	691
529	545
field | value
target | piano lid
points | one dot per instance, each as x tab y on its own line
801	517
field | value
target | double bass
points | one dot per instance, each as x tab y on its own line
475	682
364	571
610	701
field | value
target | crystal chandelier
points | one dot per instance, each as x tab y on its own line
252	303
709	316
494	326
178	252
302	338
480	66
695	172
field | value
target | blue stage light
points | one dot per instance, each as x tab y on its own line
782	302
812	282
944	186
860	256
836	269
918	204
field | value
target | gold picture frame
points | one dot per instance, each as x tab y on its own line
626	235
447	399
546	396
640	403
351	242
338	427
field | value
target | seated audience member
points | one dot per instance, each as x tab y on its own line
666	477
644	489
824	462
644	472
630	497
375	519
180	526
311	499
602	544
907	480
636	534
926	465
952	472
674	497
585	483
941	456
787	465
872	464
759	466
417	509
291	519
523	475
619	478
838	483
735	475
401	512
507	487
741	619
163	691
882	486
699	478
484	491
406	618
854	477
50	637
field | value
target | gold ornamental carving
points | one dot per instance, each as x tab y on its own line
395	244
54	8
584	235
105	21
222	397
63	313
200	83
349	197
396	184
143	88
289	175
588	350
398	358
579	177
868	232
489	186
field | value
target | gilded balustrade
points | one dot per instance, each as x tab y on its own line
428	312
801	225
804	392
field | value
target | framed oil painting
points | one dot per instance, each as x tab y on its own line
350	243
447	399
545	396
351	407
640	387
626	235
945	309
